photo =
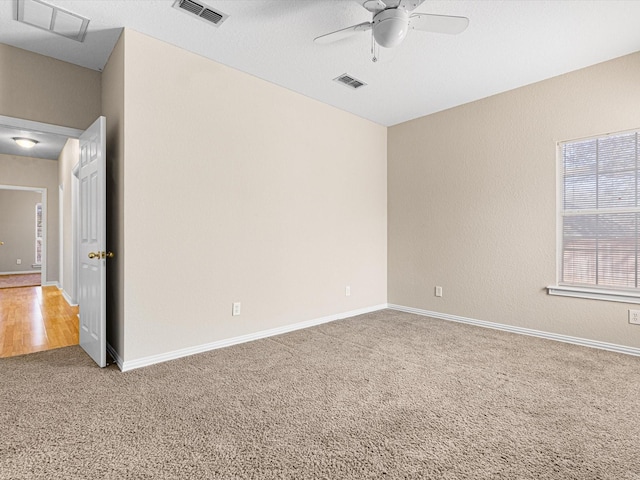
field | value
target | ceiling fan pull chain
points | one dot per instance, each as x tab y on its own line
374	46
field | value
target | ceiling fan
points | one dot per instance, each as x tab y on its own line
392	19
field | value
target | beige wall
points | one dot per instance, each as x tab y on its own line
66	161
36	172
113	109
42	89
17	229
472	202
239	190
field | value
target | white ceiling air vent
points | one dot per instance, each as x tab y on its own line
201	11
51	18
349	81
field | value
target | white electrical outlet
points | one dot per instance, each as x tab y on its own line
634	317
19	261
236	309
347	291
438	291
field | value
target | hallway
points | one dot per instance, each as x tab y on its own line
33	319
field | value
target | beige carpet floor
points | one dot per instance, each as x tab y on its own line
20	280
383	395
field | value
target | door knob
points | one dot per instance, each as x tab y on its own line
101	255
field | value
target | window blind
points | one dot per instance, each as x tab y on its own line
38	256
600	212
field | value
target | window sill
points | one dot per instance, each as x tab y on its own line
595	293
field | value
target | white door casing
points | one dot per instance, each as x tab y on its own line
61	238
92	241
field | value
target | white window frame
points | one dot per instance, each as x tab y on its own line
581	291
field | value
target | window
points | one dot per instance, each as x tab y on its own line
599	217
38	234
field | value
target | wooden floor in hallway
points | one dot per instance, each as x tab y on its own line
33	319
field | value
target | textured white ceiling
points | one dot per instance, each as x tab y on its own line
509	43
49	145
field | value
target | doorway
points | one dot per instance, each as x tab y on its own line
23	235
35	318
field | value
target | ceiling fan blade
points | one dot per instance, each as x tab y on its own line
374	6
410	5
344	33
438	23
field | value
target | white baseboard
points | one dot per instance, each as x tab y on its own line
22	272
51	284
523	331
115	356
66	296
164	357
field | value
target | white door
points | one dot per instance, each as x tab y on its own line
92	241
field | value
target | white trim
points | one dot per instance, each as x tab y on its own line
612	347
61	235
67	298
594	293
600	135
115	356
39	127
184	352
75	201
51	284
559	203
44	258
30	272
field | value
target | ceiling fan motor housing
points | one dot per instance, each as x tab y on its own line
390	26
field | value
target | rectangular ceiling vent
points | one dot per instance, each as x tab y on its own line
51	18
201	11
349	81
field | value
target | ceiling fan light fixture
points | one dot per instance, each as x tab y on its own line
25	142
390	27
